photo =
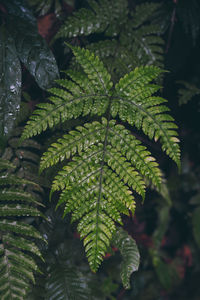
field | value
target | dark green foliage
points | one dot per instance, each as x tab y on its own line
188	13
25	156
17	250
101	15
196	225
166	273
187	92
20	41
100	127
64	271
95	185
129	40
42	7
64	282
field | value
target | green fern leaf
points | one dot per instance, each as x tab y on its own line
64	283
135	41
97	18
65	280
17	265
106	162
130	255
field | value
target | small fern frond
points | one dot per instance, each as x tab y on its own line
135	41
143	13
187	92
17	265
130	255
106	163
65	283
97	18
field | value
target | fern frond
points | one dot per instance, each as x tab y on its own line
97	18
130	255
65	283
106	162
187	92
143	13
17	265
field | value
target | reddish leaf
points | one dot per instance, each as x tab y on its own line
46	26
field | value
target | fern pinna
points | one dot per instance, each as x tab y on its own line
105	162
17	249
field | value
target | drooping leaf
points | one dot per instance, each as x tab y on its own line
130	255
10	82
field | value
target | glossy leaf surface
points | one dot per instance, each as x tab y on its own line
10	82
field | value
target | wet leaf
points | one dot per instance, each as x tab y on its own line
19	8
10	82
34	52
130	255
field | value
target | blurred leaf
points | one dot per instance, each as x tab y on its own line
66	283
195	199
196	225
187	92
162	225
42	7
10	82
166	273
19	8
130	255
188	13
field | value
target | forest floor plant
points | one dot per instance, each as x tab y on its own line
109	109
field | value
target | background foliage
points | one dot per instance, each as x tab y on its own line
166	227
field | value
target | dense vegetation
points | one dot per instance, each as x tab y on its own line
95	200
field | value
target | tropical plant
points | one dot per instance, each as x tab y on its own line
97	124
107	161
